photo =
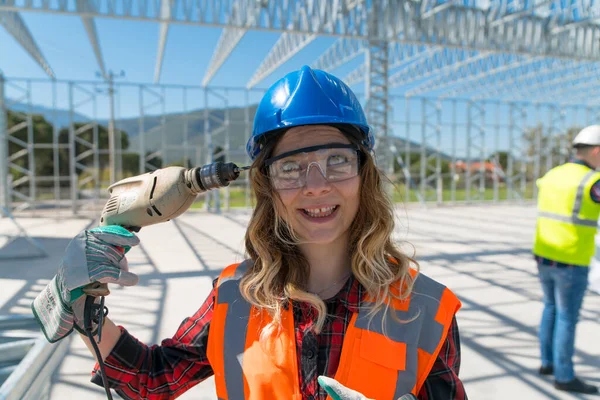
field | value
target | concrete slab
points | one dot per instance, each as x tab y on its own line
481	252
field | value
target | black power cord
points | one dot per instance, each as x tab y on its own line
93	312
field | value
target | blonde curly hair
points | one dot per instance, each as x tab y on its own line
280	272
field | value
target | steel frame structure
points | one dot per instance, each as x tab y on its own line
432	137
444	51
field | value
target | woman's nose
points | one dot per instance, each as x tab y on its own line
316	183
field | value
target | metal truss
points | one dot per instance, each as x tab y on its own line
556	133
216	124
577	79
15	26
165	14
285	48
587	96
84	163
356	76
5	195
431	146
90	28
151	101
517	160
21	161
468	67
549	31
229	39
342	51
489	76
532	70
475	141
400	55
377	101
440	61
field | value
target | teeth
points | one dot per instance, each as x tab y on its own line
319	212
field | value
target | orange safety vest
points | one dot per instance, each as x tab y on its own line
377	366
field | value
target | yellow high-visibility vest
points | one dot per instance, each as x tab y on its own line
567	215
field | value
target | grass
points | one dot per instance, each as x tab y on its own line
237	196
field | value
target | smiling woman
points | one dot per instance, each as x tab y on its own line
325	306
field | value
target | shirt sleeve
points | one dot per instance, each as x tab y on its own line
443	382
165	371
595	192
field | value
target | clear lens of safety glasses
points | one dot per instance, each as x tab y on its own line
336	162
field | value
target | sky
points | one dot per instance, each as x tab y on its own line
131	46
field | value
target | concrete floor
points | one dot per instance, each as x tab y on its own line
480	252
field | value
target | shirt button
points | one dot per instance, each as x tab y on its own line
310	353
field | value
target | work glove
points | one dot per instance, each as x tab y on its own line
337	391
96	255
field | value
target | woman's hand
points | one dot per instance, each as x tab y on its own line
96	255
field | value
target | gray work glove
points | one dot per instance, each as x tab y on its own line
337	391
96	255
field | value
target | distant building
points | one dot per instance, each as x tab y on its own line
492	171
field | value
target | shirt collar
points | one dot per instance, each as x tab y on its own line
350	295
580	162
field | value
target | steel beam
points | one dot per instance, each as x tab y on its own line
15	26
511	80
165	13
356	76
400	56
553	87
455	26
286	47
376	87
440	62
498	72
229	39
5	197
342	51
90	28
480	66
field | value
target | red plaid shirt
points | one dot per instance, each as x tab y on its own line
137	371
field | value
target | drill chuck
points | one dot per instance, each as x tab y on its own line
212	176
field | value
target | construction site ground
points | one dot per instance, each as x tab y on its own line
483	253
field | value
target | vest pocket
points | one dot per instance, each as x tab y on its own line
381	350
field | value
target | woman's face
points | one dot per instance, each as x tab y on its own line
320	211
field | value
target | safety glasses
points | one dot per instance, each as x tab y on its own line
336	162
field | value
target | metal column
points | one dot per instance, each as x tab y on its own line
376	85
4	189
431	162
516	175
84	163
475	141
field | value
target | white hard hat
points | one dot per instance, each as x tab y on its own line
588	136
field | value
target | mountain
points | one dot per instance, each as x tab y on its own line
174	127
197	122
61	118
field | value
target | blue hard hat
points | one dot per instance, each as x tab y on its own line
307	97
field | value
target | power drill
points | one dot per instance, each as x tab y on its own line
148	199
159	196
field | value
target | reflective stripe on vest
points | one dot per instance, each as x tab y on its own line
425	331
574	218
236	322
370	362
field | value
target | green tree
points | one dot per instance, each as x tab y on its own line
500	158
42	132
86	133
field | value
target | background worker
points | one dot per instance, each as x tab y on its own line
568	210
